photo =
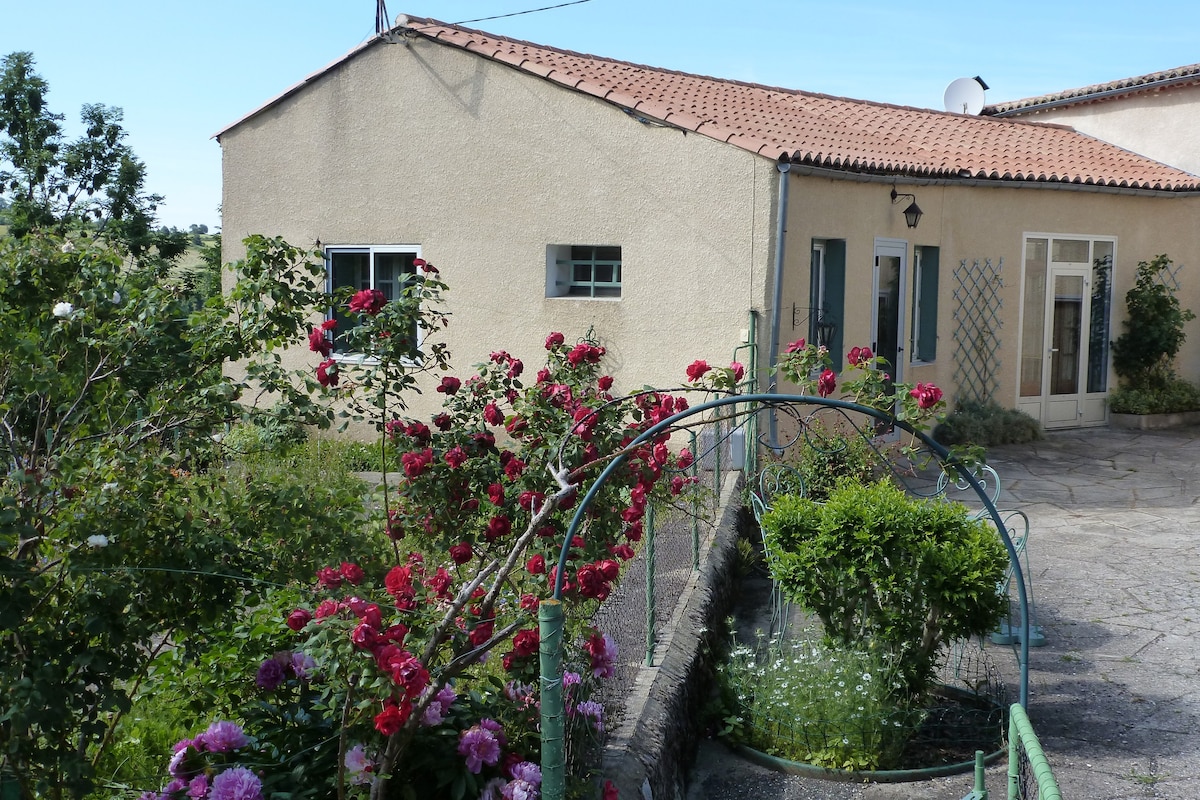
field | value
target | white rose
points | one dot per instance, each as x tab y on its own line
97	540
63	309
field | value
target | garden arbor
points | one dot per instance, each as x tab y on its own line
742	413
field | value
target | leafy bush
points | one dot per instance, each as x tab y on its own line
1175	396
826	459
986	424
882	569
808	702
1144	355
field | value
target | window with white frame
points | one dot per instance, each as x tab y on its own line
591	271
387	268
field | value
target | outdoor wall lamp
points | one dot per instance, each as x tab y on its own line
912	214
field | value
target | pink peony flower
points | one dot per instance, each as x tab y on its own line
359	767
198	787
221	737
237	783
479	746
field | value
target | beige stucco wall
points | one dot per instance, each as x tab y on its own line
1164	125
978	223
483	167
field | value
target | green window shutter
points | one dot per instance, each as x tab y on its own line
835	297
927	335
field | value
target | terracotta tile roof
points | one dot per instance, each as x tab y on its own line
814	129
1155	81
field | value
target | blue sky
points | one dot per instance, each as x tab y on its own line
182	71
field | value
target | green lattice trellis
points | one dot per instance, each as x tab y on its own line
977	324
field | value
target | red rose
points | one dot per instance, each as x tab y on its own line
440	582
530	603
826	383
515	368
329	578
327	373
398	580
515	425
739	371
536	565
352	573
696	370
525	643
455	457
319	343
449	385
604	383
368	301
498	527
329	325
927	395
480	633
621	551
496	493
492	414
392	718
443	421
298	619
554	340
461	553
795	347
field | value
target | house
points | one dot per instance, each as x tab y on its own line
682	216
1156	115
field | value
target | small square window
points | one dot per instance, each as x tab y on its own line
583	271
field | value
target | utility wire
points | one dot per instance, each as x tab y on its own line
519	13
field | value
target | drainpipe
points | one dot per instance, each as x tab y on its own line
783	165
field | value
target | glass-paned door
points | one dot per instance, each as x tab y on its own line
887	323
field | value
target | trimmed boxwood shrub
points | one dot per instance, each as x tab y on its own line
882	569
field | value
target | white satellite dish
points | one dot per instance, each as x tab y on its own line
964	96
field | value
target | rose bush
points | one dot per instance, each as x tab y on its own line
424	673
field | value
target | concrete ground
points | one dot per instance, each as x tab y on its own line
1114	557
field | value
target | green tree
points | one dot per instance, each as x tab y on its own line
95	182
109	395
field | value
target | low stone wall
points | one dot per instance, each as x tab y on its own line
649	755
1154	422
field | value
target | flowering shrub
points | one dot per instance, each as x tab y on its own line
829	706
881	569
113	541
423	673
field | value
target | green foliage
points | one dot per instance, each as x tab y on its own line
110	546
833	707
986	424
882	569
828	458
1171	397
1144	355
94	184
